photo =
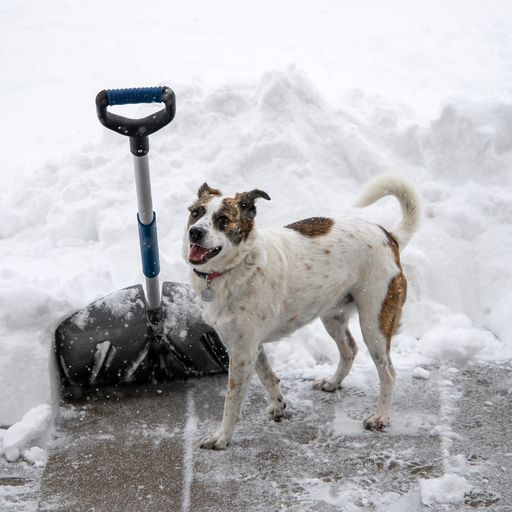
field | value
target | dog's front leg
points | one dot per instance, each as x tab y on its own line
270	380
242	360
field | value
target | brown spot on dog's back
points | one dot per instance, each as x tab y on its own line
312	227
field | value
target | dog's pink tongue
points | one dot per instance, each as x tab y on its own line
197	253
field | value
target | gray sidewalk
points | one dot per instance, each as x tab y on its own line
139	452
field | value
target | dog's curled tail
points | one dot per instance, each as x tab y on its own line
407	196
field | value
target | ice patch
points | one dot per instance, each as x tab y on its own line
352	498
449	489
188	451
158	433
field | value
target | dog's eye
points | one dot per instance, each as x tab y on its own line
223	221
194	213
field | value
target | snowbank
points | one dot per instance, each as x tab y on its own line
76	238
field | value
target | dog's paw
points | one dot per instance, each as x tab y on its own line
376	422
326	385
217	441
275	411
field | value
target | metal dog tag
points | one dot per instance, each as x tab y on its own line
208	294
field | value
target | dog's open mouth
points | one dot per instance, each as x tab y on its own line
198	254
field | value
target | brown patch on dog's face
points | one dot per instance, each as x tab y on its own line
391	310
312	227
204	195
235	218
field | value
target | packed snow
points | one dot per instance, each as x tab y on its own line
34	426
421	373
302	100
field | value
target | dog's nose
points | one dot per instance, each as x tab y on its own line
195	234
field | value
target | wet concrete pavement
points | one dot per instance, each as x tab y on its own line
140	452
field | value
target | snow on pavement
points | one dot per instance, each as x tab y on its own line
441	448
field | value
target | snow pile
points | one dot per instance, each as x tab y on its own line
447	489
20	437
78	236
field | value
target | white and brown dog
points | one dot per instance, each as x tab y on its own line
259	286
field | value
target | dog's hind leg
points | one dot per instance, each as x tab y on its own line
336	324
379	322
270	380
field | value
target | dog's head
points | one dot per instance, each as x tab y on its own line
218	227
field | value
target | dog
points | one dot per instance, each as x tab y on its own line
258	286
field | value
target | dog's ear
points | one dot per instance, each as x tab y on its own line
206	190
246	201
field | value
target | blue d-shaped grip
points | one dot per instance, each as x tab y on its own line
149	247
134	95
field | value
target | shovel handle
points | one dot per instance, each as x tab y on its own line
134	96
137	129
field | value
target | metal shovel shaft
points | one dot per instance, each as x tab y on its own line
138	131
147	231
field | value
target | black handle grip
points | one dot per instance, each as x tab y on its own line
137	129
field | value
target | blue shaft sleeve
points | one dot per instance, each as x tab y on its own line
149	247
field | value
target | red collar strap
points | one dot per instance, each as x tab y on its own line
208	277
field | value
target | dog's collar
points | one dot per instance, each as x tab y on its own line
209	276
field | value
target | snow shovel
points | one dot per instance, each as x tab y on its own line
131	336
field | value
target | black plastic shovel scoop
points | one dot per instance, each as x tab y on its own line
132	336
